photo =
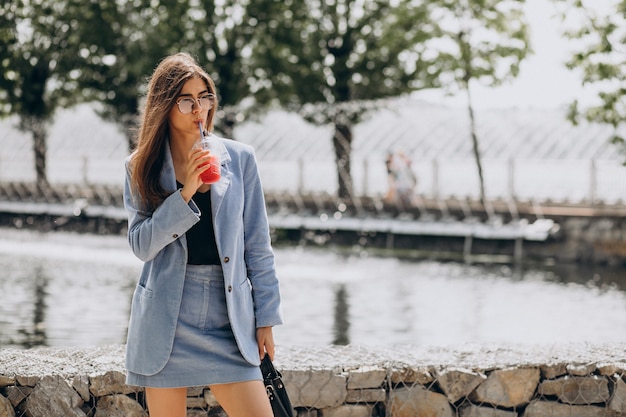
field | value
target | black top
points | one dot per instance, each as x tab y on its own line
201	246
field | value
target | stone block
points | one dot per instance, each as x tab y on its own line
577	390
119	405
581	369
618	399
366	377
373	395
18	394
458	383
610	369
53	397
417	401
409	375
6	408
209	399
80	383
508	387
196	402
112	382
27	381
204	413
347	411
554	409
553	371
307	412
195	391
6	381
476	411
318	389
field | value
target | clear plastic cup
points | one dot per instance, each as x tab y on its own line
212	174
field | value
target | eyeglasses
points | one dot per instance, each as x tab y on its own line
185	104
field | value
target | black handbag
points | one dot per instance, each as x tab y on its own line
281	405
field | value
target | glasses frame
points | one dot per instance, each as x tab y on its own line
193	101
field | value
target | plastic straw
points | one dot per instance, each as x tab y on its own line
201	131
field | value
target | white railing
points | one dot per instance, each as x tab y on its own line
575	181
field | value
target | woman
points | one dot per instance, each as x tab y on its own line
207	297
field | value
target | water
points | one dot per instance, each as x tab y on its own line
62	289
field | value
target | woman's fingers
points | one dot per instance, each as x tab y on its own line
265	340
198	163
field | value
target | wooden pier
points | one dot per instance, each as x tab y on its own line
324	219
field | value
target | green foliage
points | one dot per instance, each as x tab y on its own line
120	44
335	51
482	40
600	56
140	33
478	40
331	59
8	41
112	60
38	40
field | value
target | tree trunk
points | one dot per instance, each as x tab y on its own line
477	158
466	57
342	318
342	143
130	129
40	149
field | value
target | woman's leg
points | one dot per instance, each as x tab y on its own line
243	399
167	402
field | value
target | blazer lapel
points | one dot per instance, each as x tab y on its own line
218	189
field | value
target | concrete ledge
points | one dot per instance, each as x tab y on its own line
465	381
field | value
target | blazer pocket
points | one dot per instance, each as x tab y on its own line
143	291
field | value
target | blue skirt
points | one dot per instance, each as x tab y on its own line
205	351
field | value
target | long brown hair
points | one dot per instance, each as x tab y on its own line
164	87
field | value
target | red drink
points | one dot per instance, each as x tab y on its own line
212	174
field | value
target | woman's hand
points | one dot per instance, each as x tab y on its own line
197	163
265	340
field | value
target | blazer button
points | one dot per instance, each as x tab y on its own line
226	259
230	288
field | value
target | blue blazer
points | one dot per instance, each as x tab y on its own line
243	242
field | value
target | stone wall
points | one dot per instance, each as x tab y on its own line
592	240
403	381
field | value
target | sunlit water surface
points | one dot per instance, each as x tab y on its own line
63	289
